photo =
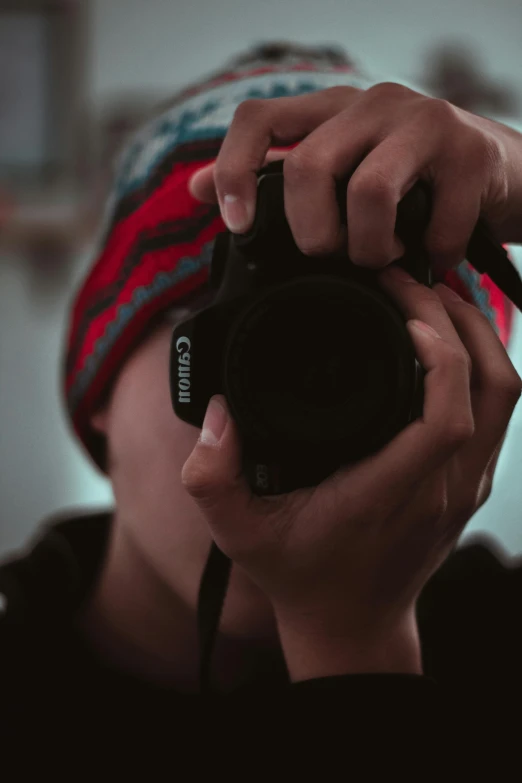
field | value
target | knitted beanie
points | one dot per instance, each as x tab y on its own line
157	240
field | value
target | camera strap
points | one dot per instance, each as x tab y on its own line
489	257
212	593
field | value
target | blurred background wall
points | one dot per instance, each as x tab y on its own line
80	77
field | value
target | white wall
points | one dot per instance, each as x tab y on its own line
23	82
158	45
41	467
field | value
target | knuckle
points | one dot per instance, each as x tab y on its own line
372	185
388	90
439	112
485	152
509	386
195	481
427	302
299	164
250	110
206	489
427	297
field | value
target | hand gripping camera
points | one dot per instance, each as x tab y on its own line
313	358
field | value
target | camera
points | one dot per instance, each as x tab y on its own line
313	358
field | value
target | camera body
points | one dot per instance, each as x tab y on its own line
313	358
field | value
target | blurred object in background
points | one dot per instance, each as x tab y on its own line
116	119
456	72
44	158
119	118
56	152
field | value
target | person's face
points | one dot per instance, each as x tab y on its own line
148	446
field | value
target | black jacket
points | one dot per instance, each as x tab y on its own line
52	688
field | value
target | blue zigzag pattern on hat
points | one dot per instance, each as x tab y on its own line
471	279
209	115
163	281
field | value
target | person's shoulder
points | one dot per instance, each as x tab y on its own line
480	563
478	587
68	526
53	570
481	555
42	585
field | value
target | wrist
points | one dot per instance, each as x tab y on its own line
312	654
508	224
511	232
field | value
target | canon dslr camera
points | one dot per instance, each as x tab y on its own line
313	358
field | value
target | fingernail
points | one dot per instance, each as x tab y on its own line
214	424
235	214
424	328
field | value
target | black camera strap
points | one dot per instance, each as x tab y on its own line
489	257
212	592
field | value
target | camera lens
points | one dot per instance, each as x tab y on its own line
320	360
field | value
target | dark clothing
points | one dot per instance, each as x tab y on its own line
52	687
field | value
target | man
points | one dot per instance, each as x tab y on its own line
340	604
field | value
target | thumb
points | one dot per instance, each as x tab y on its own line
213	473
